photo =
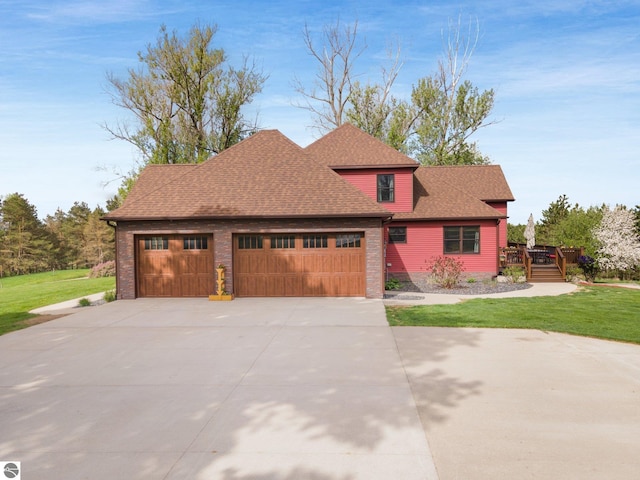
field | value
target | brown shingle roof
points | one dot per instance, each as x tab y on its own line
155	176
436	199
266	175
486	182
349	147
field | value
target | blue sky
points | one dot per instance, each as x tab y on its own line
566	76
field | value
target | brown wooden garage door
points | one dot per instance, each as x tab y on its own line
175	266
300	265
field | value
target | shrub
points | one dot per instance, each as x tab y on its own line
573	273
84	302
446	271
514	274
392	284
104	269
109	296
588	266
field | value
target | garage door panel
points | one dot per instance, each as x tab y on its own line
321	271
169	266
281	263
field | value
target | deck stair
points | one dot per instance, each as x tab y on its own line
545	274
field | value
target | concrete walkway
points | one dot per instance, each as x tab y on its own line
190	389
536	290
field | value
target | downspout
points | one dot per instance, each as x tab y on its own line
497	247
385	270
115	239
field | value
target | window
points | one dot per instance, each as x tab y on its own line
397	234
349	240
283	241
385	188
315	241
461	239
249	242
156	243
195	243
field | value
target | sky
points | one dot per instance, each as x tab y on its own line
566	76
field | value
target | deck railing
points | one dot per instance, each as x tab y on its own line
519	255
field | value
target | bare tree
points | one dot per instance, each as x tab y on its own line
449	109
328	98
371	105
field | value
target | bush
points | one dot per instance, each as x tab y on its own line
104	269
109	296
392	284
84	302
573	273
446	271
588	266
514	274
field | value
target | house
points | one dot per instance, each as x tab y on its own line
332	219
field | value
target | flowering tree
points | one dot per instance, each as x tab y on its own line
619	243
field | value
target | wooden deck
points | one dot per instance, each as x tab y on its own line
541	263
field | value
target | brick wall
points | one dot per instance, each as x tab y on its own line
223	232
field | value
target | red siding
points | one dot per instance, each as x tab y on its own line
502	208
366	180
425	240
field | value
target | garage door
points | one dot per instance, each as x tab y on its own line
175	266
295	265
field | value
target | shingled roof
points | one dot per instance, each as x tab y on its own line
454	198
486	182
349	147
266	175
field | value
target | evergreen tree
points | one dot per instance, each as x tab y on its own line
26	246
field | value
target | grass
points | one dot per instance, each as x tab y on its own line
601	312
19	295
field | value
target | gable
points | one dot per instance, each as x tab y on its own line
266	175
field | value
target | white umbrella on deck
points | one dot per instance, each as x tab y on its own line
530	233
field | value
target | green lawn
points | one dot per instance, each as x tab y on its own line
19	295
602	312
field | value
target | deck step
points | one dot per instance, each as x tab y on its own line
546	274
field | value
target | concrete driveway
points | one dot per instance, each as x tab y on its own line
319	389
190	389
525	404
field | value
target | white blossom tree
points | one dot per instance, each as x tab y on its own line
619	244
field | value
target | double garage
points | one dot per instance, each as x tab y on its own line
263	265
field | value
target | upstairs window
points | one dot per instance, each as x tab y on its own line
386	184
462	239
397	234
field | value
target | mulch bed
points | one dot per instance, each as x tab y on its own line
475	288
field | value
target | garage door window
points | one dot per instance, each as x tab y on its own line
315	241
195	243
283	241
249	242
351	240
156	243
